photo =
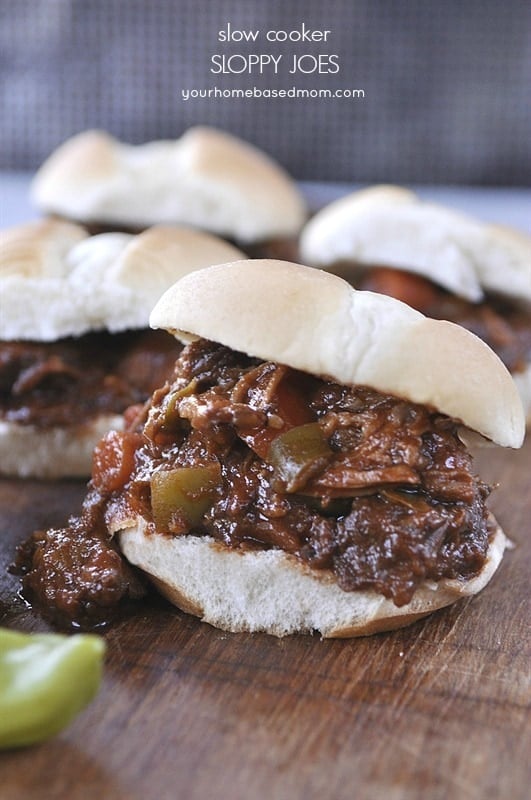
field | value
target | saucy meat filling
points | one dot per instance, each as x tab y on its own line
73	380
503	325
374	489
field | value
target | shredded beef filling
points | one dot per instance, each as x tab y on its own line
376	490
76	574
73	380
502	324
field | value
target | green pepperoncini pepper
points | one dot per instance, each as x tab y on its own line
45	680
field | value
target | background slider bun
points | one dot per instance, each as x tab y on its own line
75	348
207	179
444	263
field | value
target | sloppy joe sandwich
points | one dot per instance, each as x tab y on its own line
208	179
304	468
441	262
75	347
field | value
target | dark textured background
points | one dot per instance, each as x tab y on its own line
447	83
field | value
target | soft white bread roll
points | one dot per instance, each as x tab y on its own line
207	179
28	452
316	322
271	591
57	281
392	227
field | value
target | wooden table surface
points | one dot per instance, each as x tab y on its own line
437	710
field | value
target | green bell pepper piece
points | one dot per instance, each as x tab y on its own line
297	454
189	491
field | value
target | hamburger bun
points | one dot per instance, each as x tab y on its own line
28	452
207	179
315	322
392	227
57	282
273	592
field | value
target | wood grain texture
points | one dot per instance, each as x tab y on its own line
437	710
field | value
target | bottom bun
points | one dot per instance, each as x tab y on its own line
273	592
30	452
523	384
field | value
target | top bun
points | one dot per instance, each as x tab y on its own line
316	322
392	227
207	179
56	280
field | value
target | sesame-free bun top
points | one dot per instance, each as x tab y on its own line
208	179
316	322
390	226
57	281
